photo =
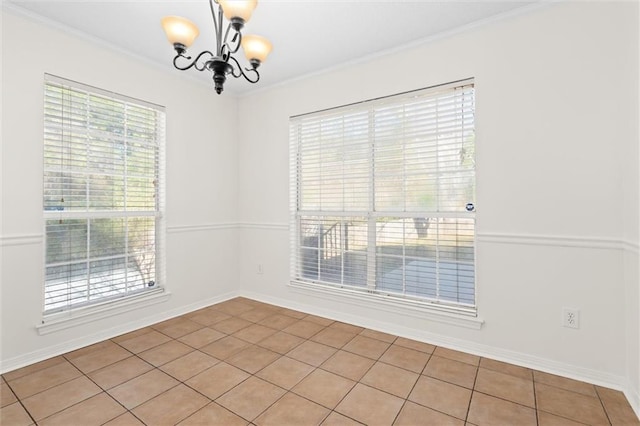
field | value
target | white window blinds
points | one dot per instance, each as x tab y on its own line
382	197
103	197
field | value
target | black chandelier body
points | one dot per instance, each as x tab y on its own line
221	63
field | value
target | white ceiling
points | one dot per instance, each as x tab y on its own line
307	35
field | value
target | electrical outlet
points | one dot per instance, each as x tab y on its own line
260	269
571	318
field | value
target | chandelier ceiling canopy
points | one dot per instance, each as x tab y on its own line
181	33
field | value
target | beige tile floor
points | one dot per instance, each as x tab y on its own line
244	362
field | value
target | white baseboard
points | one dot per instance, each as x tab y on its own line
71	345
512	357
633	396
517	358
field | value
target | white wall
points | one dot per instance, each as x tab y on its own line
201	184
1	161
557	135
631	218
558	197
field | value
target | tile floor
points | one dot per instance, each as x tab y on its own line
244	362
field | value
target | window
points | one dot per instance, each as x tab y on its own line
103	197
382	197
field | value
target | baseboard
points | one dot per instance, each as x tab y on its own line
633	396
71	345
512	357
517	358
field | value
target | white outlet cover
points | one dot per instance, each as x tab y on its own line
571	317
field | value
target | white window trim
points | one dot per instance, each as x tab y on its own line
87	314
455	315
391	304
74	316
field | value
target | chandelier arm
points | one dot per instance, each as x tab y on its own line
241	73
193	64
217	24
234	45
227	51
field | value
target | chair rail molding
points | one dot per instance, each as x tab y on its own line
173	229
264	225
586	242
20	239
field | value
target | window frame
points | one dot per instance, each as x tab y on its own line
150	291
370	291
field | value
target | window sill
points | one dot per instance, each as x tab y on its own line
76	317
390	304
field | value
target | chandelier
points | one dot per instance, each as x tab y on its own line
181	33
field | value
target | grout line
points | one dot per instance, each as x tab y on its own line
395	419
19	401
126	410
535	399
406	399
604	406
35	371
475	379
567	418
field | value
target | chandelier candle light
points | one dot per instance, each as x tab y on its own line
181	33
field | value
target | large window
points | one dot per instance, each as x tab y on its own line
382	197
102	195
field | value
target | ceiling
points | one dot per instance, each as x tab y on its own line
308	35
